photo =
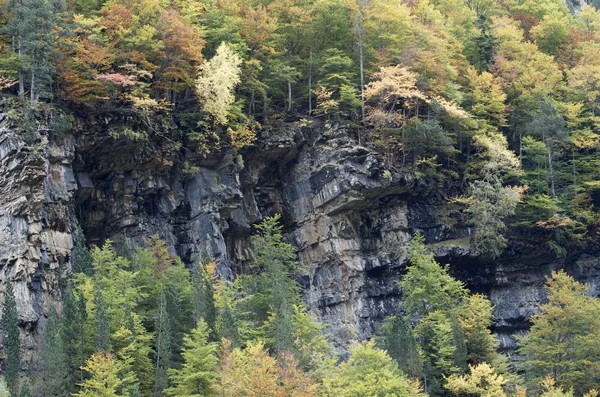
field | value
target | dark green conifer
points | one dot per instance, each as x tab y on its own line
163	348
56	368
400	343
81	259
12	342
102	326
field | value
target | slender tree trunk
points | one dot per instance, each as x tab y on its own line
33	87
359	34
289	83
310	82
551	171
21	72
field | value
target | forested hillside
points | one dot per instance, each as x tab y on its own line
491	104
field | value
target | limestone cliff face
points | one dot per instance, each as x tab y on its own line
349	218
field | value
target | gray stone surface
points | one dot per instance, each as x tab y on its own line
349	222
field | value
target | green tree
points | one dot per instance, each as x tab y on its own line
40	18
481	381
25	388
56	365
204	299
102	326
104	378
81	261
11	339
563	341
369	372
278	260
427	286
164	353
132	344
199	370
475	318
72	334
550	127
399	341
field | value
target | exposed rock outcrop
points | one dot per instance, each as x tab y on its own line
349	218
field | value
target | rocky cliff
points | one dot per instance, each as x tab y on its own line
349	218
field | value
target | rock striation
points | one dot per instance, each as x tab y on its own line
348	216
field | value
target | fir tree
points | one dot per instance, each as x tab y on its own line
204	300
278	259
56	366
72	334
102	325
401	345
82	260
460	354
199	370
12	343
163	348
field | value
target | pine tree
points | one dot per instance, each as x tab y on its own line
401	345
199	370
163	348
102	326
11	337
56	365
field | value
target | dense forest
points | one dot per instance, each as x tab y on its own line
494	102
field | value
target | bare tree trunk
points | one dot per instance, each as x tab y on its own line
33	87
551	171
310	82
289	95
359	35
21	72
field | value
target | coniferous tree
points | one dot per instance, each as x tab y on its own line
277	258
199	370
163	348
204	300
105	377
400	343
102	325
82	260
12	342
56	365
72	335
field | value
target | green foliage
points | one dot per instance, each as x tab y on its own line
427	287
369	372
163	361
199	371
55	359
562	341
11	340
102	327
400	343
